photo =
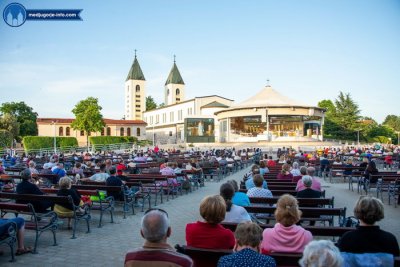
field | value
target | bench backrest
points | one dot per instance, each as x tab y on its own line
302	201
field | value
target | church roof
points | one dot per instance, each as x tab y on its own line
135	73
174	76
215	104
106	121
268	97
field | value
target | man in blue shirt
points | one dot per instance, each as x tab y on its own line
249	182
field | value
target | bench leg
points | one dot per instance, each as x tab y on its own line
111	214
74	229
101	218
54	236
88	224
36	242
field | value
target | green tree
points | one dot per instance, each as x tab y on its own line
393	122
342	118
6	138
9	123
150	103
347	113
161	105
25	115
88	117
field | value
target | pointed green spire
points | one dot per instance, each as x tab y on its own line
135	73
174	75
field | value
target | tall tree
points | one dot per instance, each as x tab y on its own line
88	117
347	112
342	120
393	122
150	103
25	115
10	124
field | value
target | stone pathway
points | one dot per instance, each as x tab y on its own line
107	246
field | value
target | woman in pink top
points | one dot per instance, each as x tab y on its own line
286	236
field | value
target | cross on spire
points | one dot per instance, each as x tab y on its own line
174	58
135	53
268	82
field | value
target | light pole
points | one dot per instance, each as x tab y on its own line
55	142
154	134
398	137
358	137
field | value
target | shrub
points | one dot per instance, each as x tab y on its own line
107	140
40	142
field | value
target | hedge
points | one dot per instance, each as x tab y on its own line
108	140
5	138
40	142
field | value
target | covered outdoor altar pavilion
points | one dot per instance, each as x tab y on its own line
270	116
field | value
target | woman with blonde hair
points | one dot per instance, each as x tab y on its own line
67	210
285	173
209	233
286	236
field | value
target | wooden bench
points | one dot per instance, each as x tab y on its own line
38	223
303	202
308	213
276	192
331	231
209	257
102	205
148	186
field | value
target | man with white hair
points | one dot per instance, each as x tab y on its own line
156	251
308	192
316	184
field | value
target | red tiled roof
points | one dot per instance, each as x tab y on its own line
106	121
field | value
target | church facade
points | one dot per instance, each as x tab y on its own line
266	116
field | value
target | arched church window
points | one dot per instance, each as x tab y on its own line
138	132
177	91
137	88
121	131
108	131
67	131
167	91
128	132
60	131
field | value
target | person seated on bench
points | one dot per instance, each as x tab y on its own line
258	190
67	210
247	248
155	229
349	164
295	171
113	180
285	173
371	169
308	192
271	163
324	164
255	169
369	238
239	198
316	184
286	236
26	187
263	168
20	222
100	176
209	233
321	253
234	214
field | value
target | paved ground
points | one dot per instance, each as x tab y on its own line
107	246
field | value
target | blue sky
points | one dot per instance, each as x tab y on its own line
310	50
